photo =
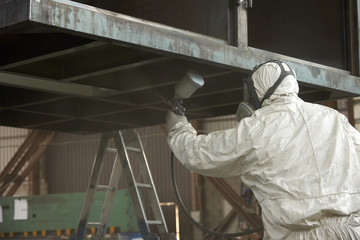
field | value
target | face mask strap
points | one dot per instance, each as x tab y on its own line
254	99
282	76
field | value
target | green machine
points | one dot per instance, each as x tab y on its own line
58	214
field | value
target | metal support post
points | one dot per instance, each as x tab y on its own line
238	22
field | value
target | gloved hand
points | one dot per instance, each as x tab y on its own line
176	106
172	119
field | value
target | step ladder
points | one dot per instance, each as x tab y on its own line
127	143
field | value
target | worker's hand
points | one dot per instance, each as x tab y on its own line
176	106
172	119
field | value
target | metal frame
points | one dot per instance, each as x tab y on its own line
356	5
48	85
120	29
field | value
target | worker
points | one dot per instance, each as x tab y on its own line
301	160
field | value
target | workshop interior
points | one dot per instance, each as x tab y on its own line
85	87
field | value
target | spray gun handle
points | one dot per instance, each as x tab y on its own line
176	106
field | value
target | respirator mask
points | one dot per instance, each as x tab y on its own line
251	100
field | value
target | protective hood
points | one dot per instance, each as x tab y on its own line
266	76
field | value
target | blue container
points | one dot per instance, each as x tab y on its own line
136	236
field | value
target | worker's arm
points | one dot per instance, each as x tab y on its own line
218	154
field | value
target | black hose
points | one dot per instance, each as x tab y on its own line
218	234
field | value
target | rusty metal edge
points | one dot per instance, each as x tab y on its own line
91	22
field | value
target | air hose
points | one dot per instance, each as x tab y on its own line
193	221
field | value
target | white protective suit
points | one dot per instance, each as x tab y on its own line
301	160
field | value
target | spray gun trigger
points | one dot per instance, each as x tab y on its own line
176	106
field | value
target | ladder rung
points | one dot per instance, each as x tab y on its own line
109	149
133	149
104	188
154	222
95	224
143	185
114	150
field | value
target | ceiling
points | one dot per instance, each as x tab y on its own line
60	76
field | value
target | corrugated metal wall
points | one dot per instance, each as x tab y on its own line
70	158
215	207
10	140
68	162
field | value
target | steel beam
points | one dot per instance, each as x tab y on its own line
357	42
242	30
53	86
13	12
120	29
51	55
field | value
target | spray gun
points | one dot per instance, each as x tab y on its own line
184	89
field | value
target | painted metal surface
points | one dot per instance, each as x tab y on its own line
123	29
47	85
62	211
110	26
358	31
62	58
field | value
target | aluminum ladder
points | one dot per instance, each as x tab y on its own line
126	143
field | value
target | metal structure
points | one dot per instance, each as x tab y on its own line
71	67
23	162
